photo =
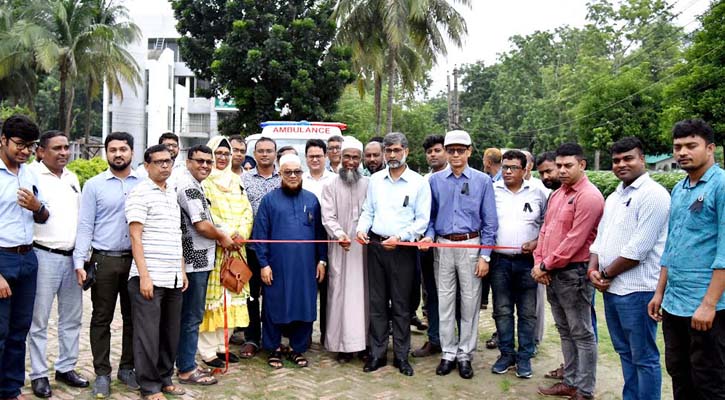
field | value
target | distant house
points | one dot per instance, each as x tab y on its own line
661	162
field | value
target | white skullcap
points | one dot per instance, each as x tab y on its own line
290	158
351	143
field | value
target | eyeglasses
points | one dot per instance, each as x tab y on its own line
222	155
290	173
163	163
315	157
394	151
21	145
333	149
456	150
202	161
512	168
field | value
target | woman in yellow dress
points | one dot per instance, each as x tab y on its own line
232	212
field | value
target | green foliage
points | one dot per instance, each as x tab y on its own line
607	182
87	169
7	111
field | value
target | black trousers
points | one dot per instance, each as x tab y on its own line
111	283
156	337
390	280
253	332
415	293
694	359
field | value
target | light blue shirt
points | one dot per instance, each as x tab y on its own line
102	221
396	208
696	242
16	224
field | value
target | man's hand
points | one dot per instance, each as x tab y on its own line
27	200
540	276
147	287
185	281
703	317
344	242
425	240
320	272
226	242
481	267
654	308
81	276
266	275
390	243
5	291
529	247
595	277
363	238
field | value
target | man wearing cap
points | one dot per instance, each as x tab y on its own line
290	271
342	199
463	210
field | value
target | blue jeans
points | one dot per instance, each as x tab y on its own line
192	313
16	315
513	286
634	337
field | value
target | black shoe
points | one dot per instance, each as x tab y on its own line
418	324
465	370
403	366
445	367
237	337
71	378
344	358
374	364
215	363
493	342
233	358
41	388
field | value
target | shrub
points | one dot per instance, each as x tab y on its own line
87	169
606	182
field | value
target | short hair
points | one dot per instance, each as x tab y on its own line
47	135
18	125
237	138
626	144
283	149
545	156
199	148
378	139
570	149
315	143
265	139
157	148
515	155
693	127
335	138
395	138
492	154
122	136
432	140
169	135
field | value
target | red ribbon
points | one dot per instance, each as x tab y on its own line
451	245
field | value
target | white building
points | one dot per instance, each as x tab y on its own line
167	100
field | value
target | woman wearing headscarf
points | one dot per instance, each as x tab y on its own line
232	212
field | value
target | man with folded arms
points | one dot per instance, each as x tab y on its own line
53	242
463	210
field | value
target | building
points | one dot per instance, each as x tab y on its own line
661	162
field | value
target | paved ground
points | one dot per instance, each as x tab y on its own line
326	379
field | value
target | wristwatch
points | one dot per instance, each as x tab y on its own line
40	210
486	258
324	263
603	273
542	267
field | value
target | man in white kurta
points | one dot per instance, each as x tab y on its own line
342	199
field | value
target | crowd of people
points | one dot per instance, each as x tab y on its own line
367	233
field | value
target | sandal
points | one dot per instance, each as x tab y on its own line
297	359
249	350
556	373
274	360
173	390
198	377
493	342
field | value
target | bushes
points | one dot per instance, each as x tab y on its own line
87	169
606	182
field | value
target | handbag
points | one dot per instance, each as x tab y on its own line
235	272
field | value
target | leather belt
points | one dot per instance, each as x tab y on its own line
519	256
66	253
108	253
22	249
374	236
459	237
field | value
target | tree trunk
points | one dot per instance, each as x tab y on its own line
597	155
62	97
378	103
87	133
391	89
69	110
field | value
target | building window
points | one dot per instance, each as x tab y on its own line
169	119
199	123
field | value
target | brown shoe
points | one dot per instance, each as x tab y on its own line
558	389
428	349
580	396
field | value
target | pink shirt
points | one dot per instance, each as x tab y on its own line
570	225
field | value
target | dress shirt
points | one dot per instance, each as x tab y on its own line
396	208
570	225
634	226
498	176
696	242
456	210
63	198
315	185
102	222
517	222
258	186
199	251
16	224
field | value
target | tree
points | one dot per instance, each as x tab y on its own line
265	56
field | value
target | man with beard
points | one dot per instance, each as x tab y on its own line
20	206
374	161
342	199
397	208
546	166
290	271
53	242
102	227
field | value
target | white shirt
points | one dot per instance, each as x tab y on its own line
62	199
634	226
315	185
520	214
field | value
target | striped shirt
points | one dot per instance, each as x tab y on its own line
634	226
158	211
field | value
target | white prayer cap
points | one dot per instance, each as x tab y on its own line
352	143
457	137
290	158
